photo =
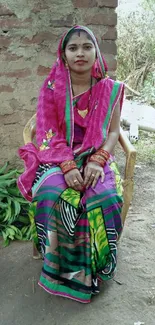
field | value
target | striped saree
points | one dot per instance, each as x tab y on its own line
76	232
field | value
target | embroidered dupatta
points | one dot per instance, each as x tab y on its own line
55	117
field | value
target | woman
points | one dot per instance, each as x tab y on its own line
71	177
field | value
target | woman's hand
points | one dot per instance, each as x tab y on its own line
74	180
92	172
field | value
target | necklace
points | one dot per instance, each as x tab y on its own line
84	112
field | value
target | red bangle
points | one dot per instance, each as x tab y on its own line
68	165
98	159
103	153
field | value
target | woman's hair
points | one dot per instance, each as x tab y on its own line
71	33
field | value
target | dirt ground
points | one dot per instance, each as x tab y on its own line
125	300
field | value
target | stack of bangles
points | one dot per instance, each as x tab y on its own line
67	165
100	157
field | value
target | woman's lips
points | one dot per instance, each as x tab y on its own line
81	62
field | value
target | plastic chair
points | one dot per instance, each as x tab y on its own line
128	180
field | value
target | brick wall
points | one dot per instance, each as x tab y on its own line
29	35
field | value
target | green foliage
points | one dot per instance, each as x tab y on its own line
14	220
146	147
148	91
149	5
136	49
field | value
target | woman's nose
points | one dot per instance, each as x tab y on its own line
80	52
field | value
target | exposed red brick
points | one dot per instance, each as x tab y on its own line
17	73
112	64
39	38
102	19
43	71
110	34
13	23
4	41
84	3
66	21
39	7
6	89
5	11
107	3
27	20
11	57
108	47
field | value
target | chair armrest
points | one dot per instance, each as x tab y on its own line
30	130
130	154
125	142
128	182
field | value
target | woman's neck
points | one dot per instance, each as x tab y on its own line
80	82
80	79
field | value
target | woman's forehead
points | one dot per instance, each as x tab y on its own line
79	38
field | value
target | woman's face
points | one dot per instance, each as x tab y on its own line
80	53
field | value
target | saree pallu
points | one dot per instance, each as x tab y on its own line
76	232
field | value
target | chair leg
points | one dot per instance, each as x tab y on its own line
128	192
36	254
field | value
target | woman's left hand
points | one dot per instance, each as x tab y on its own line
92	172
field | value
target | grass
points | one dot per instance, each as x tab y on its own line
146	147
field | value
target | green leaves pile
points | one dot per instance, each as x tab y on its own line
14	220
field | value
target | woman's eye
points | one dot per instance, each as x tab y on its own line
72	48
88	47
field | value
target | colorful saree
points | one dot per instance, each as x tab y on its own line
76	233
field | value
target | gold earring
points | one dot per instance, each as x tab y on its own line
66	64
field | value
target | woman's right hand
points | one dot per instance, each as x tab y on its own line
74	180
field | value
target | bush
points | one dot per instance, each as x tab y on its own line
14	220
136	50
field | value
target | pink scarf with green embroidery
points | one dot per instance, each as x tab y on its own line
55	118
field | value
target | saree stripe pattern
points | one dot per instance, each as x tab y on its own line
73	262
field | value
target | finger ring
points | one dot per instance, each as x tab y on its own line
75	181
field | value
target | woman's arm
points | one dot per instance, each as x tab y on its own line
93	171
113	130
